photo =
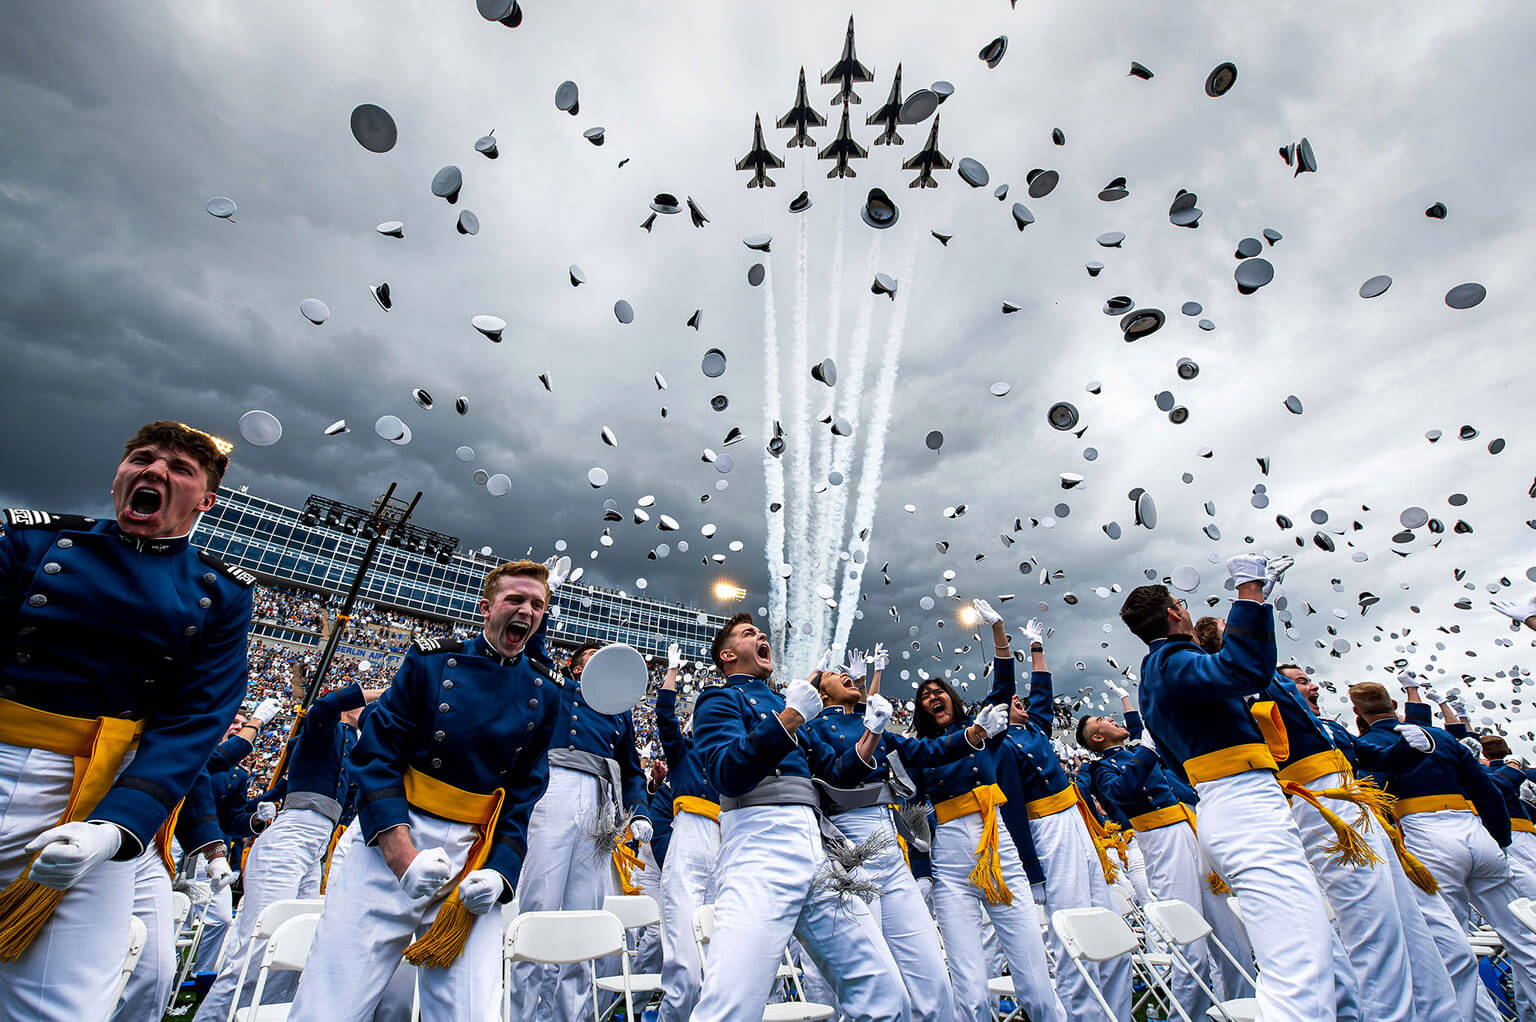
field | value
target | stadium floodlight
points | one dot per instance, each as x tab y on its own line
729	592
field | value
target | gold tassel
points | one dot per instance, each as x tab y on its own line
1347	848
988	878
625	862
1417	872
25	906
444	940
1217	885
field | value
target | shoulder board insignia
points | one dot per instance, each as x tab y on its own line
547	669
241	575
25	518
434	644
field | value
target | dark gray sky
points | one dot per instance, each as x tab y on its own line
124	301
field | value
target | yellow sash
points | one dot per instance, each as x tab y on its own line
697	806
1321	764
1520	826
1101	840
444	940
330	850
1229	762
1267	715
1050	805
165	835
1165	817
98	747
988	873
1431	804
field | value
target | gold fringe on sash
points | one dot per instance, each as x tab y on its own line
330	850
1101	840
1217	885
987	875
1347	848
1419	873
626	862
165	835
444	940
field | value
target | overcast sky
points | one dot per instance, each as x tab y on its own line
124	301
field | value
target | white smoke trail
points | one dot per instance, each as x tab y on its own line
773	468
798	450
874	451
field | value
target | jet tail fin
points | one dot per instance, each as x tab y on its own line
889	137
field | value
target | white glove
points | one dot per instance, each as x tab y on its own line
1114	687
993	719
266	812
1274	571
1407	681
1247	568
674	657
985	612
803	698
197	891
480	890
1528	791
1515	610
69	851
856	666
265	711
559	569
641	830
1038	890
882	658
1417	738
1034	632
427	873
877	714
220	875
825	663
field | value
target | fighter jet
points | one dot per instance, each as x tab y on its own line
847	71
760	160
927	160
888	114
800	117
842	149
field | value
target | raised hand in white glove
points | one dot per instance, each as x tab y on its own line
480	890
825	663
1116	688
559	569
993	719
1034	632
985	612
69	851
1417	738
1528	791
1247	568
266	812
674	657
802	697
220	875
1407	680
427	873
1274	570
882	658
265	711
856	666
640	829
877	714
1515	610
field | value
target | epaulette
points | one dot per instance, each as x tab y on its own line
245	578
25	518
433	644
547	669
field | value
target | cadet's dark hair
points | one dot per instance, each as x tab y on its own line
590	646
1208	634
922	720
1082	729
1494	746
1143	612
208	451
724	635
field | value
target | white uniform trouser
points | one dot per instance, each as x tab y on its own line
285	862
1173	872
1136	871
367	923
687	881
958	904
562	871
647	943
395	1003
1434	993
1074	879
73	966
1472	872
1364	904
218	914
769	859
1245	826
149	987
1227	979
903	918
1522	862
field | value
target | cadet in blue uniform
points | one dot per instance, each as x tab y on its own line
286	859
451	760
747	736
594	767
1032	778
1522	838
115	635
688	875
973	856
1194	705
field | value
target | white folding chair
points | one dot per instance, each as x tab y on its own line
1524	909
636	912
1095	935
181	907
1147	963
1180	924
509	913
286	951
267	923
565	938
136	938
798	1010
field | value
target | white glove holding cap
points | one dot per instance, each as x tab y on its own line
877	714
68	852
802	697
265	711
993	719
427	873
481	890
1417	738
985	612
1247	568
1274	570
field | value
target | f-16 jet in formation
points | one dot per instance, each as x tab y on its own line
842	149
801	117
847	71
760	160
927	160
889	114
